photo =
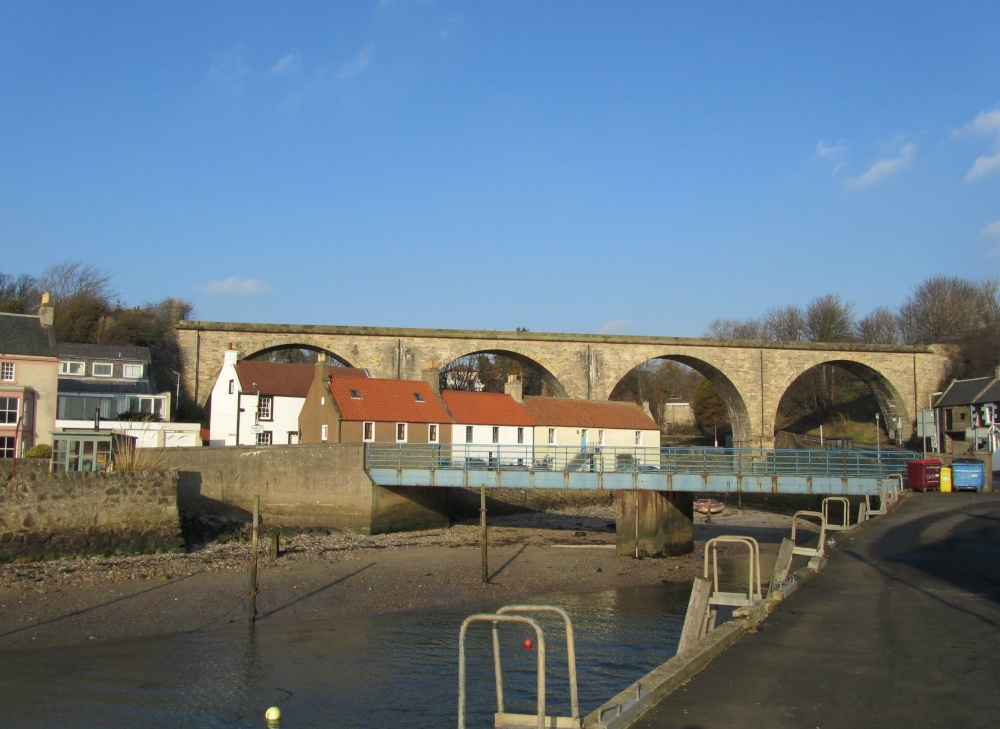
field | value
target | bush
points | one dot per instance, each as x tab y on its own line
42	450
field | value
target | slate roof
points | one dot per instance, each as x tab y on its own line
485	408
387	401
990	394
962	392
69	385
121	352
557	411
22	334
275	378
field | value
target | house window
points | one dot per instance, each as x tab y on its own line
103	369
496	434
400	432
552	436
468	433
355	395
520	435
600	437
418	397
368	431
264	437
7	371
432	433
324	432
7	447
232	386
72	368
264	403
8	410
145	405
133	371
638	437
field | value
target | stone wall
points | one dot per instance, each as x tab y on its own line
310	486
45	514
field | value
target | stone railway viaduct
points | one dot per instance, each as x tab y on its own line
750	376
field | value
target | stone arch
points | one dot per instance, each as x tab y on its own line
891	402
275	345
739	415
549	380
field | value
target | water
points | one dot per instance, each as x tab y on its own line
394	670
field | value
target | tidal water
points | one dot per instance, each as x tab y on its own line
395	671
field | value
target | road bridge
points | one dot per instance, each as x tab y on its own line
750	376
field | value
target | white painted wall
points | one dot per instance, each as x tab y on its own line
483	448
225	405
147	435
284	419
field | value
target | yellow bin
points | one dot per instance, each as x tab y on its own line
945	480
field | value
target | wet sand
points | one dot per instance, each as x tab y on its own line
322	577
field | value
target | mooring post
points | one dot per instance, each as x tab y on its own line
482	533
254	538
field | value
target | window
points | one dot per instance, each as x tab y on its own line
468	433
418	397
355	395
232	386
146	405
132	370
264	403
600	437
496	434
74	407
103	369
552	436
7	371
7	447
368	431
400	432
432	433
638	437
324	434
8	410
72	368
520	435
264	437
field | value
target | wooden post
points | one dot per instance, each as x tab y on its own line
275	544
694	620
482	533
254	538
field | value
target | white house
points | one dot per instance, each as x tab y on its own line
257	402
489	429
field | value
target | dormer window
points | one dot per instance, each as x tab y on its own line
355	395
103	369
72	368
132	371
418	397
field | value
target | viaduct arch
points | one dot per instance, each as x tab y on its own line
751	376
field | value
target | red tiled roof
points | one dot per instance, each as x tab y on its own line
485	408
387	401
559	411
275	378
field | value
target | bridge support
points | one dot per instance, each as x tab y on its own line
654	523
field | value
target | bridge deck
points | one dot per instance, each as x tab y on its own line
745	470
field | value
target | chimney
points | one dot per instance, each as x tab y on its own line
645	408
230	356
46	312
432	376
515	388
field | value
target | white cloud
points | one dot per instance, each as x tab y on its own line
236	286
358	65
283	66
830	151
885	167
986	123
991	231
615	326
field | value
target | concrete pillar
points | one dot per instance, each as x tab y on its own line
665	523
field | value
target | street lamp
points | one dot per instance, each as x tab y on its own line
878	439
177	402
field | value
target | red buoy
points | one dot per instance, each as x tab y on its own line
528	645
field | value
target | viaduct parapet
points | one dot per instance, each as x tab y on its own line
751	376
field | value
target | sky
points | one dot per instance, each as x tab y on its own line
585	167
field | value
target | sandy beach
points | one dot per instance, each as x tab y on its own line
327	576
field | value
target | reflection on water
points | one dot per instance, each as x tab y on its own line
393	670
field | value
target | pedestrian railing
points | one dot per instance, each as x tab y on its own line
845	513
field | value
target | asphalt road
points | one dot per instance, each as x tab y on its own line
902	629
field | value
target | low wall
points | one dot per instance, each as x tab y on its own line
465	501
310	486
45	514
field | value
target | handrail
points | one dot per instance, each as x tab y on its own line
809	551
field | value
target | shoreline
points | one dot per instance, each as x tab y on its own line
66	602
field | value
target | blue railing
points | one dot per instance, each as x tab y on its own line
607	459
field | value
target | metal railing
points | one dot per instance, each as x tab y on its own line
612	459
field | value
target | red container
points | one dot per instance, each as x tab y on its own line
924	475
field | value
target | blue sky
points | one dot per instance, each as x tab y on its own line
634	167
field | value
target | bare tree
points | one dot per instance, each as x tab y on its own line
19	294
830	319
71	279
736	329
785	324
881	326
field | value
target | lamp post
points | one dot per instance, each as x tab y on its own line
177	401
878	439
